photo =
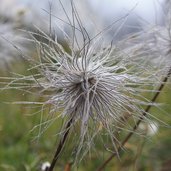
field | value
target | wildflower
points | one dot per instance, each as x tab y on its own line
92	87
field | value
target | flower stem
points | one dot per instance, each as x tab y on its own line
60	145
165	79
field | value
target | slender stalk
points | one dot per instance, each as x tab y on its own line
68	167
60	145
138	122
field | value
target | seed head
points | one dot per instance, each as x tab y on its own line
97	87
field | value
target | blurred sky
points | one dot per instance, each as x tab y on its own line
147	9
95	15
99	13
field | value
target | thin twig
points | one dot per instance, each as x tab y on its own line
60	145
138	122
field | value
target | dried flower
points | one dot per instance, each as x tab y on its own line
97	88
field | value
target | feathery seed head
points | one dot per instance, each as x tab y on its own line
93	86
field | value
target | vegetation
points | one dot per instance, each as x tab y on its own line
80	104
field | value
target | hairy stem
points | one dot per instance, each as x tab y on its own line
138	122
60	145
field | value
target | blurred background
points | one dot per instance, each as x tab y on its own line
20	150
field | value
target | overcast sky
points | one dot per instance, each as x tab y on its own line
97	13
149	10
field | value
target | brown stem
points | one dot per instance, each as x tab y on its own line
60	145
138	122
68	167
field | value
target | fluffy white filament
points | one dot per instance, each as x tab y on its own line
96	86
